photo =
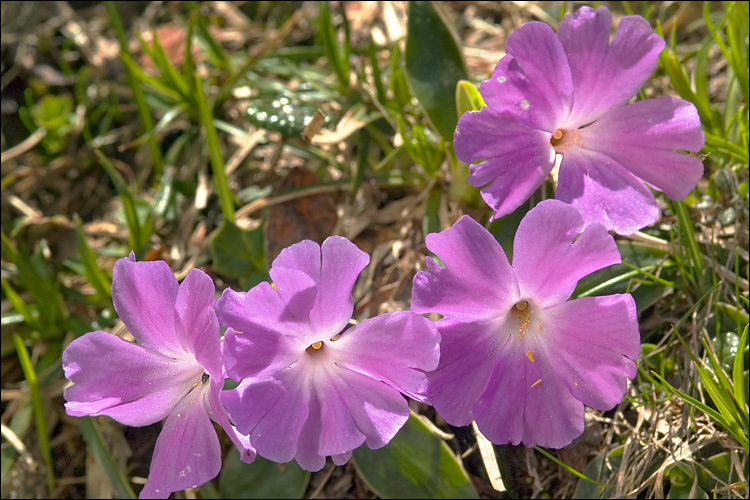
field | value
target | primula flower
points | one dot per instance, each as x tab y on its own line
565	94
516	356
307	390
174	372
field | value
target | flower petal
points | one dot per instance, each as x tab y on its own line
308	446
342	459
476	283
264	308
606	76
295	274
517	158
333	268
467	353
356	408
187	452
396	348
605	192
196	325
525	402
255	353
533	82
644	138
592	344
548	260
144	294
219	415
272	411
133	384
341	263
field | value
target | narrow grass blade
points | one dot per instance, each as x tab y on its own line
673	67
151	81
169	73
718	417
569	468
96	276
376	74
39	413
724	145
738	370
93	437
215	51
327	32
135	237
144	110
214	151
18	304
687	238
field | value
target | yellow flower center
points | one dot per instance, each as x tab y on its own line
314	348
563	138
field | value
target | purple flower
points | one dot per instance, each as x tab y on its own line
516	356
565	94
174	372
306	392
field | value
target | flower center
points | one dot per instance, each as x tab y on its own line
563	138
314	348
522	319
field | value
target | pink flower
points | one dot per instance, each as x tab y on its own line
308	390
516	355
174	372
565	94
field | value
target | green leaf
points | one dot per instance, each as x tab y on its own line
431	219
53	112
434	64
718	466
468	98
261	479
415	464
600	469
283	114
459	185
239	253
683	481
